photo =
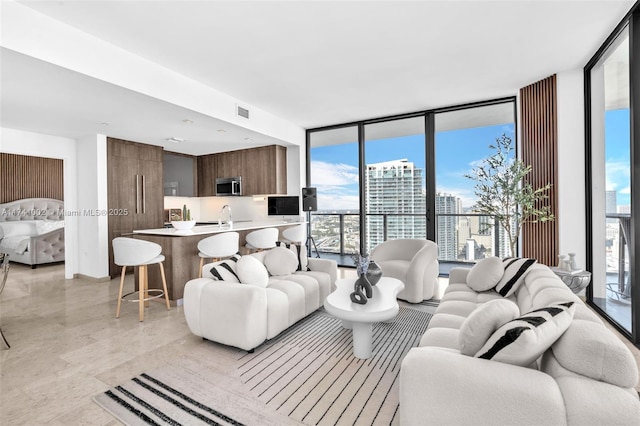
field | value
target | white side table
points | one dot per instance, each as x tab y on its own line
576	281
383	306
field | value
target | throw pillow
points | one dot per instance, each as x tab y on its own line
281	261
224	270
251	271
485	274
515	269
483	322
299	251
523	340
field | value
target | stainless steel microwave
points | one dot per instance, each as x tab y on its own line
229	186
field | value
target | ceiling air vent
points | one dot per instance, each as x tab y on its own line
243	112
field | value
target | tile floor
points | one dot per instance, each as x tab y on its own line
67	345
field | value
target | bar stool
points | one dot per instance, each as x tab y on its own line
295	234
217	247
262	239
132	252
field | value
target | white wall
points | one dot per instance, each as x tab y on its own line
93	224
36	144
571	170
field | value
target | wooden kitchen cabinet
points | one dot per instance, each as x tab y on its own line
135	190
263	170
206	170
266	171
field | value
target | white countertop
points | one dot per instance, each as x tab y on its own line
215	229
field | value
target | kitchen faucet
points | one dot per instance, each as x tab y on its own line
227	206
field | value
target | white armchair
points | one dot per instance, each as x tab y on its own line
412	261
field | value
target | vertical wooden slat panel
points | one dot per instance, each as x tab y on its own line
23	176
539	148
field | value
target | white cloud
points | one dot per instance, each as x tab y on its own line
338	202
325	174
467	195
617	174
626	190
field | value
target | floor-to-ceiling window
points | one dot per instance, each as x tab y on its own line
334	172
395	180
463	138
389	167
610	78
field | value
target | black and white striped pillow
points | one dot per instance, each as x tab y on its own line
224	270
523	340
515	269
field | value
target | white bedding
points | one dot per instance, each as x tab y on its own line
17	245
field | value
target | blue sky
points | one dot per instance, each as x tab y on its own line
617	154
334	169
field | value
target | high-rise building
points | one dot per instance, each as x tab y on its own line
446	226
394	195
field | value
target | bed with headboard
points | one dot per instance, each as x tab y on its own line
32	230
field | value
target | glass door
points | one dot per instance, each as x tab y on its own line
462	139
395	180
334	168
611	182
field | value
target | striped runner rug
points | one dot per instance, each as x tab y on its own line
306	375
311	375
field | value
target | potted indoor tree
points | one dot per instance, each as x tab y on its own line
503	193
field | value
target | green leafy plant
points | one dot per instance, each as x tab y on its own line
503	193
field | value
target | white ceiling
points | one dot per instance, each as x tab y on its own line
313	63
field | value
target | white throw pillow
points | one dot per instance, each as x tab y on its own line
523	340
251	271
485	274
483	322
515	269
281	261
225	270
299	251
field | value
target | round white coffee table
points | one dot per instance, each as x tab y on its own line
383	306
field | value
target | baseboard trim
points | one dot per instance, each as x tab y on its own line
93	279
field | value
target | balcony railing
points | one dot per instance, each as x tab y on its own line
339	233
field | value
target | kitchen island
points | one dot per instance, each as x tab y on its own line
180	249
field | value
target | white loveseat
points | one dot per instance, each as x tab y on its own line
587	377
32	231
247	314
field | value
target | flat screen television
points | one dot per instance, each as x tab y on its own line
283	206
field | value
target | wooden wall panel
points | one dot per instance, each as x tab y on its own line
539	148
23	176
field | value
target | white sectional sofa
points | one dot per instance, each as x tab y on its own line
245	314
587	377
32	231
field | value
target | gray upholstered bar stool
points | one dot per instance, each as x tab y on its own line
217	247
262	239
132	252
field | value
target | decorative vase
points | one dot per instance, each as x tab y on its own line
561	258
362	290
374	273
572	262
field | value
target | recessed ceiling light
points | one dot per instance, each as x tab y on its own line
104	123
187	121
248	139
175	139
222	131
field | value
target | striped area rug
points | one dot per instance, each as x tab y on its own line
311	375
307	375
